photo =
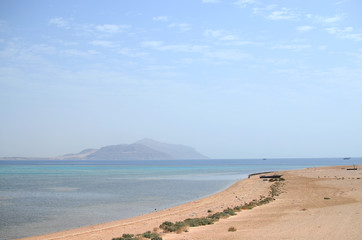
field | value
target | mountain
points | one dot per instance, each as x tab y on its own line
81	155
174	150
127	152
145	149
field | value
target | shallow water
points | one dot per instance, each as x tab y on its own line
38	197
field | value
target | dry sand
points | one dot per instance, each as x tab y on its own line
301	211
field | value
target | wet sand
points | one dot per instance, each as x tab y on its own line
315	203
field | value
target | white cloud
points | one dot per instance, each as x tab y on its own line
77	53
158	45
228	38
353	36
175	48
205	51
244	43
210	1
102	43
333	30
83	28
244	3
181	48
59	22
214	33
325	20
282	14
158	68
181	26
279	61
262	10
273	13
345	33
31	54
220	34
333	19
42	49
293	47
64	43
230	55
111	28
241	43
304	28
131	52
153	44
160	19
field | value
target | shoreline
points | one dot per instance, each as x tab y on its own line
239	193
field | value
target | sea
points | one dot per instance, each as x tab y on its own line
39	197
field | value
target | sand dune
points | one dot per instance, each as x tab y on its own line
315	203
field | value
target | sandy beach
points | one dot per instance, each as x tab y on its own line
314	203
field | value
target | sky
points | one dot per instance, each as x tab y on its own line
231	78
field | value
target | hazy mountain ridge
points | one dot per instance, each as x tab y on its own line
145	149
127	152
176	151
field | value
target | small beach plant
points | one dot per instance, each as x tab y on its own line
232	229
246	207
195	222
126	237
173	227
151	235
148	235
229	211
156	238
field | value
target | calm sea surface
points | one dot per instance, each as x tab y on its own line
38	197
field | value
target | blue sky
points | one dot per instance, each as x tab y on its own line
232	78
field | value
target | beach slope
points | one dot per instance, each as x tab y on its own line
314	203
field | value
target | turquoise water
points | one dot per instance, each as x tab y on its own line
38	197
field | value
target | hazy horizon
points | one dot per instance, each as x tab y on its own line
230	78
208	158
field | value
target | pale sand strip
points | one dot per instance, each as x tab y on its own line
301	212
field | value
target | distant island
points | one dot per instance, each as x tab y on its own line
145	149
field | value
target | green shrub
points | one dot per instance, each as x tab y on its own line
167	226
265	201
156	238
237	209
274	189
229	212
195	222
147	234
216	216
150	235
173	227
126	237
